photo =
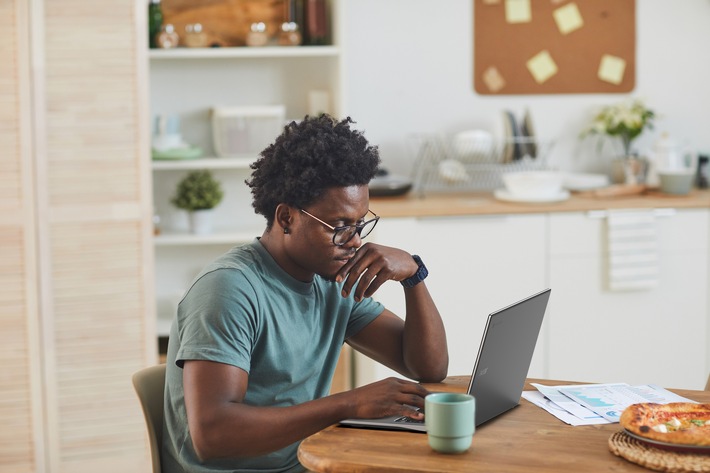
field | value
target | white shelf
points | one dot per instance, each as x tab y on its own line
244	52
219	238
204	163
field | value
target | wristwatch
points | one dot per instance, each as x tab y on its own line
418	277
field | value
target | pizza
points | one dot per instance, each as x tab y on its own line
681	423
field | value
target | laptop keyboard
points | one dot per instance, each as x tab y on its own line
409	420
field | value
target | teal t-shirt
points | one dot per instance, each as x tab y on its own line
244	310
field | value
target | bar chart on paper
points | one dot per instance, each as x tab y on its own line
610	400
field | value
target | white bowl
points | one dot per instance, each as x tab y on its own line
676	182
533	184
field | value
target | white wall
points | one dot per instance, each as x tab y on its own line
409	68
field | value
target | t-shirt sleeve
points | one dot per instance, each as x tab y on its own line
362	314
217	320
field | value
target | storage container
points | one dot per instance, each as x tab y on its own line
238	131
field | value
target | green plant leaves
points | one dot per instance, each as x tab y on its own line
199	190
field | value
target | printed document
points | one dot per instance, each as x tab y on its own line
586	404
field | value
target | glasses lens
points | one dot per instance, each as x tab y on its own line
368	227
344	235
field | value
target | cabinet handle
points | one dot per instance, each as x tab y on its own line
663	212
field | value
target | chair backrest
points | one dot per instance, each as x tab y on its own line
149	384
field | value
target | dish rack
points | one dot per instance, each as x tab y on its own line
442	165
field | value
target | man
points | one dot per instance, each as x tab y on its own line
258	334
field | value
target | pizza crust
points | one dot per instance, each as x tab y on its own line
642	419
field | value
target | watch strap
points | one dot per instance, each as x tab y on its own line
419	276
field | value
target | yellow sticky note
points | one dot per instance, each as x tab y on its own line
493	79
611	69
542	66
518	11
568	18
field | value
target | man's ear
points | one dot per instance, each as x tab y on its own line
284	217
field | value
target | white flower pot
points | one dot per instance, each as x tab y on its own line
201	221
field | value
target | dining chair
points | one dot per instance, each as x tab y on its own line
149	384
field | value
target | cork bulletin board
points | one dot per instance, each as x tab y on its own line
554	46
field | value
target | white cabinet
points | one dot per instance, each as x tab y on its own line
188	83
479	264
658	335
476	266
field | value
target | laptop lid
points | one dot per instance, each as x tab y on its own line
501	366
505	354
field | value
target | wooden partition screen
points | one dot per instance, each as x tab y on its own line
21	407
554	46
77	314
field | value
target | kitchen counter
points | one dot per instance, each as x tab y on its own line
484	203
483	253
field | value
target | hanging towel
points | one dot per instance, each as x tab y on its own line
633	252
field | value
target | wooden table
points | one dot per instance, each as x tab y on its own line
525	439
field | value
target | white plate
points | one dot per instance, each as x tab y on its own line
584	182
503	194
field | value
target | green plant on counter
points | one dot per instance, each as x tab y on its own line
198	191
625	120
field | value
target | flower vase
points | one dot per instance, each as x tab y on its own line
629	170
201	221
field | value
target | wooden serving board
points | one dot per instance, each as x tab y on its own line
226	22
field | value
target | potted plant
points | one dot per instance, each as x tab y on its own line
624	122
198	193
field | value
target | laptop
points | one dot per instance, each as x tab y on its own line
501	365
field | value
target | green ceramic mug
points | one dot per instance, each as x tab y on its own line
450	421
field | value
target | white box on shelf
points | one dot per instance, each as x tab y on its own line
237	131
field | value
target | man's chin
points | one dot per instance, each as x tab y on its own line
334	272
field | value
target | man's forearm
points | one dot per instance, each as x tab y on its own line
239	430
425	349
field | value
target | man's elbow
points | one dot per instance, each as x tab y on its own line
434	377
433	373
205	448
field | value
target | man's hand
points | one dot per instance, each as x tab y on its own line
389	397
373	265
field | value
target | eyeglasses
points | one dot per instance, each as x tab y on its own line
342	235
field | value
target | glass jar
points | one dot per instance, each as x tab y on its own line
257	35
194	36
168	38
290	35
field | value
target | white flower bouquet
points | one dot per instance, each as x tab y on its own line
625	120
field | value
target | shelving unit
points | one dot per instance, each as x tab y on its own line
204	163
188	239
187	83
264	52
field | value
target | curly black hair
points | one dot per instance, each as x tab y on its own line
309	157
